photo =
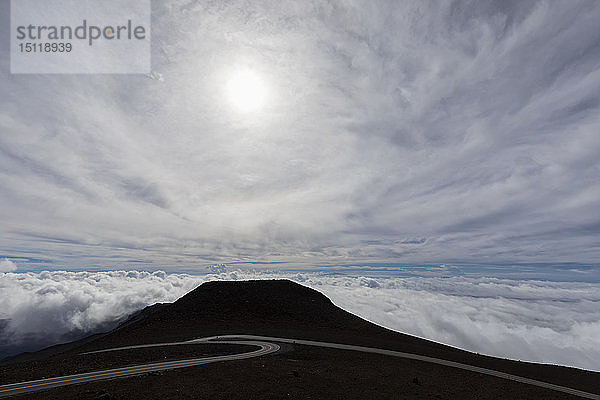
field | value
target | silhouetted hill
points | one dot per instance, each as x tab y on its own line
286	309
252	303
274	307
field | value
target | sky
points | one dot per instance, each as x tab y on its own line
388	132
431	166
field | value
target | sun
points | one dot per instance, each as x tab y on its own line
246	91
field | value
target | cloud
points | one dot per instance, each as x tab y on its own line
40	309
7	265
543	321
551	322
394	130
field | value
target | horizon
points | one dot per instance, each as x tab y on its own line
554	272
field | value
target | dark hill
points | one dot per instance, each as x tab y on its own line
275	307
286	309
250	300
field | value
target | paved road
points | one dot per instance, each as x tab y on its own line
31	386
266	347
439	361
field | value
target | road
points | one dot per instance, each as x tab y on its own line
266	347
41	384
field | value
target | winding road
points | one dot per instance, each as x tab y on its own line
266	346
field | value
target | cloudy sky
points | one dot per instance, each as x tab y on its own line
436	162
412	131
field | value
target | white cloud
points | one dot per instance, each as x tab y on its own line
553	322
7	265
396	130
49	307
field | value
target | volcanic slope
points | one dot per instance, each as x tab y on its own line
282	308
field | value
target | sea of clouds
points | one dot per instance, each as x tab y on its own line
544	321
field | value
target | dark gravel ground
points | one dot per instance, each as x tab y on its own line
306	373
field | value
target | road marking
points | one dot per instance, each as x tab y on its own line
103	374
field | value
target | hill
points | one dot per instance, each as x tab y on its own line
286	309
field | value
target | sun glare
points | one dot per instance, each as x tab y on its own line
246	91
